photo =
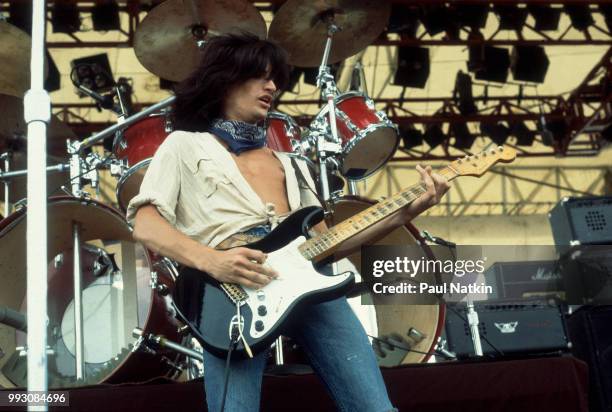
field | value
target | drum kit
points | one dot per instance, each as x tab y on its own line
125	327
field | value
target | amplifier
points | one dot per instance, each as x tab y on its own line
510	328
526	279
576	221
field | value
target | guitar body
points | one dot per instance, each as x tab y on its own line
267	312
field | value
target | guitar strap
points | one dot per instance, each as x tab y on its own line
302	182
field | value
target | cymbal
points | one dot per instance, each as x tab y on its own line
166	40
15	46
13	129
301	28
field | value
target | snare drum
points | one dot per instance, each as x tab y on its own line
135	147
367	136
117	296
428	320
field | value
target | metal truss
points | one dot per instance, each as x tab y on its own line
505	190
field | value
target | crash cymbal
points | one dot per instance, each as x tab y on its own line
13	129
15	47
300	27
166	40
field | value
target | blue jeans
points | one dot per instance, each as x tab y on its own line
338	349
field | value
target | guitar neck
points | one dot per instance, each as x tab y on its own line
324	244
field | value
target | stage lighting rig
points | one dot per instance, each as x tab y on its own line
463	94
473	16
489	63
580	16
65	17
498	132
105	15
463	138
404	20
524	135
411	136
434	135
546	17
412	67
511	17
529	63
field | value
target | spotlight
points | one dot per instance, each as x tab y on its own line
546	17
412	67
404	20
65	17
580	15
411	136
105	15
93	72
463	138
463	92
52	83
20	13
511	17
498	132
524	135
552	130
473	15
434	135
435	19
489	63
606	10
529	63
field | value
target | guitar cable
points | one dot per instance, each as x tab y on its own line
233	343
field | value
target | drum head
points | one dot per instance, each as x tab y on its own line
116	292
129	184
396	319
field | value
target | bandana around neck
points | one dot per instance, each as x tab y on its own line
239	136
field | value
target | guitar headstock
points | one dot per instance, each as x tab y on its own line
478	164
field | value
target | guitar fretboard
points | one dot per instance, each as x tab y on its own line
320	245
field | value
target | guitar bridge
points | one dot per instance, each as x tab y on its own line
235	293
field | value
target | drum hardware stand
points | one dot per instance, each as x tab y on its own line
150	342
78	302
473	322
441	350
6	156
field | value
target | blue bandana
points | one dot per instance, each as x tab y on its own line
239	136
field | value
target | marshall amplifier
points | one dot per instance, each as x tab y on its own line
508	329
528	279
578	221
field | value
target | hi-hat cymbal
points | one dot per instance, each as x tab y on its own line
301	28
13	129
15	47
166	40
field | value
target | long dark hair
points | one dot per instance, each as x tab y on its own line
226	61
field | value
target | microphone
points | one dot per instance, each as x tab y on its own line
105	102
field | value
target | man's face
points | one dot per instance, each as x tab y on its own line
249	101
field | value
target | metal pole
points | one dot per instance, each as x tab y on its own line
78	303
60	167
7	186
473	322
90	141
37	114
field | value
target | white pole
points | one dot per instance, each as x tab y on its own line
37	109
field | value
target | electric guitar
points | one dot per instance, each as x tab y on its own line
255	318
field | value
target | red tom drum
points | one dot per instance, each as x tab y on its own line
135	147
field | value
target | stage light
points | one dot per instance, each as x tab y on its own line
435	19
498	132
434	135
546	17
473	15
524	135
93	72
411	136
404	20
529	63
105	15
463	93
552	130
489	63
412	67
463	138
20	15
606	10
65	17
52	83
580	15
511	17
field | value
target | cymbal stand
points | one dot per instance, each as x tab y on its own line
327	84
6	156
